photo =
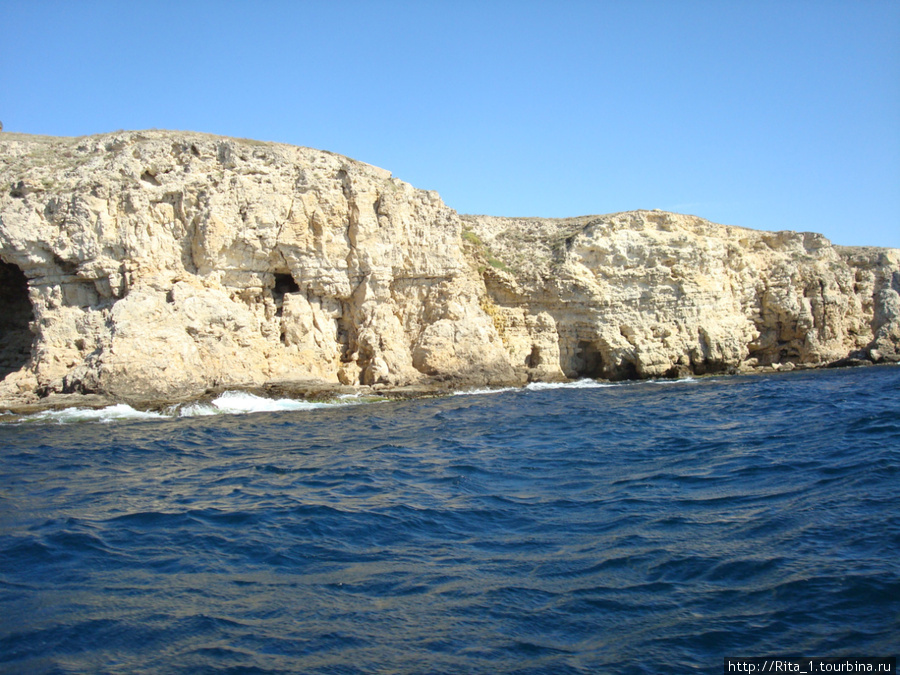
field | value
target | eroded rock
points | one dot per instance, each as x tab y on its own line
148	266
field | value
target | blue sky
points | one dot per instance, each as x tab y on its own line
770	115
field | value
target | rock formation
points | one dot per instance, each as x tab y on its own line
156	266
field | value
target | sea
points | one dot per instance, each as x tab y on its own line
648	527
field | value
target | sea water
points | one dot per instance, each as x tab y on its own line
650	527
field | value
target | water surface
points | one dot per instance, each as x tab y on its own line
636	528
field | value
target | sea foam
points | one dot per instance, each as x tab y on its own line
239	402
584	383
228	403
112	413
538	386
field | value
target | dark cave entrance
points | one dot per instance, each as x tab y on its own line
284	284
15	316
588	360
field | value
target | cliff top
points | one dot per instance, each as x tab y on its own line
527	246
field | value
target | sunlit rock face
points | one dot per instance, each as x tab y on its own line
154	265
650	294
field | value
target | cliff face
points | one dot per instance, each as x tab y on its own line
650	294
153	265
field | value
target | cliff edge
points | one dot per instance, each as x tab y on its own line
156	266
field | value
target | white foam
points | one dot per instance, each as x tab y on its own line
228	403
539	386
111	413
680	380
577	384
238	402
479	392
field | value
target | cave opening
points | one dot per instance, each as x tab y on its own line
284	284
588	360
16	314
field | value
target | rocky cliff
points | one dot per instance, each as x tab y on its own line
155	266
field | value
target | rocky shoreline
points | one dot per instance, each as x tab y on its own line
159	267
314	392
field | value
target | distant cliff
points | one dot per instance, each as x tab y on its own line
156	266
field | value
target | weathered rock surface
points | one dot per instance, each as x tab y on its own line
650	294
152	266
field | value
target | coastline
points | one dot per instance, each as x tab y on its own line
305	392
156	268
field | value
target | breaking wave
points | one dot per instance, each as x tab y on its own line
577	384
111	413
228	403
239	402
584	383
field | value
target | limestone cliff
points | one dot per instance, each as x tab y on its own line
150	266
650	294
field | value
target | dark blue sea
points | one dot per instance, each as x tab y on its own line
651	527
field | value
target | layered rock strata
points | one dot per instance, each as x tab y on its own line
156	266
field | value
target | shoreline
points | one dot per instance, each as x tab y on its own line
327	393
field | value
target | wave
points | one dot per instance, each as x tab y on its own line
680	380
587	383
239	402
485	390
228	403
584	383
539	386
111	413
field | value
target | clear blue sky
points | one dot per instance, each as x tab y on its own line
771	115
